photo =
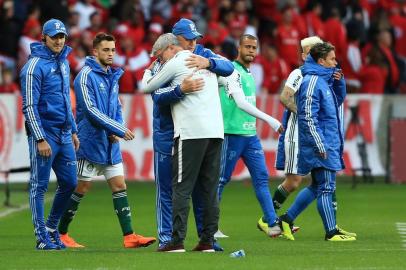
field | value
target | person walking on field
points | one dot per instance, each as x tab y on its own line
240	137
321	142
101	125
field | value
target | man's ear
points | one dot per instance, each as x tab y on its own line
43	38
321	62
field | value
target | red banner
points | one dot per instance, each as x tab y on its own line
138	154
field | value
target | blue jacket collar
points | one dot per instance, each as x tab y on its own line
310	67
96	67
39	49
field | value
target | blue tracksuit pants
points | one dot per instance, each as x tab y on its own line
322	188
250	150
63	162
163	200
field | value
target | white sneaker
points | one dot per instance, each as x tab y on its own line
274	231
219	234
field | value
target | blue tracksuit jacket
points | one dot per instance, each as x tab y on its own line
98	113
340	93
46	98
319	119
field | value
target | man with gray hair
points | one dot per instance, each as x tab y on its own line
198	134
163	132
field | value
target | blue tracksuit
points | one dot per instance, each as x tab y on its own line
340	92
248	148
98	113
163	142
320	131
48	113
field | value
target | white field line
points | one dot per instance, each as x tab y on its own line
14	210
17	209
401	227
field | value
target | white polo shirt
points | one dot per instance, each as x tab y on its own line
198	115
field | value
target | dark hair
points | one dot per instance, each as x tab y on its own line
321	50
102	37
247	36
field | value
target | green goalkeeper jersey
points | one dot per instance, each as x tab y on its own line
236	121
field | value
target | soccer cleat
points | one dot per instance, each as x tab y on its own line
46	245
134	241
217	247
220	234
294	229
339	237
272	231
69	241
170	247
286	230
345	232
262	226
55	239
203	248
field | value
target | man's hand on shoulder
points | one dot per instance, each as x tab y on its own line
281	129
151	66
191	85
197	61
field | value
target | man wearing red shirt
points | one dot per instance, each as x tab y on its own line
336	33
274	67
288	38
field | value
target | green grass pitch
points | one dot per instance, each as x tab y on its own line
374	211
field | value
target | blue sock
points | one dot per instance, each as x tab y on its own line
305	197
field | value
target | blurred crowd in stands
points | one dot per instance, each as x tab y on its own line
369	35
